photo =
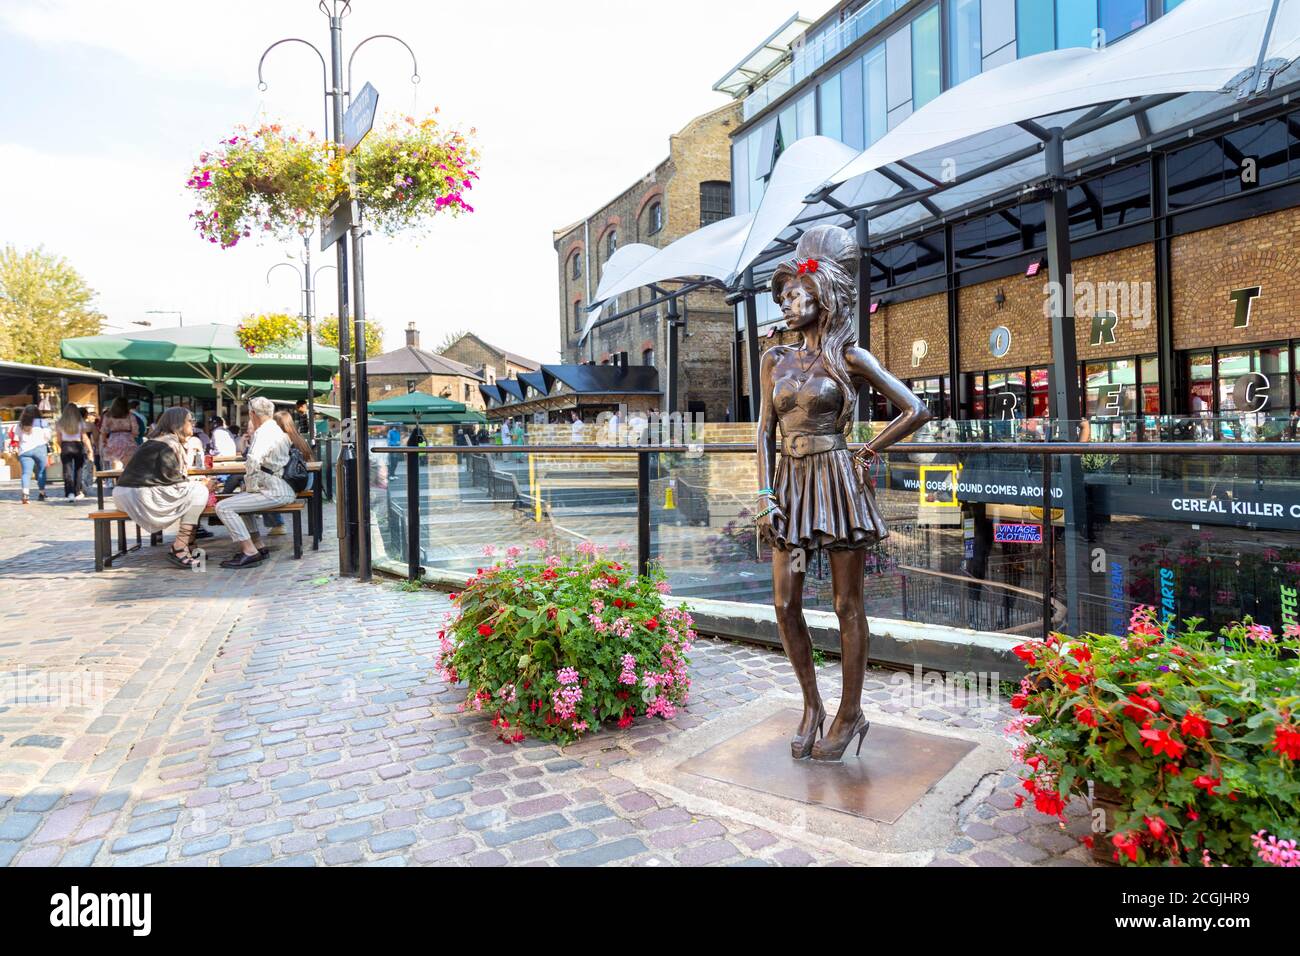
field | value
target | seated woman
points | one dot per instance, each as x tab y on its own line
264	488
155	488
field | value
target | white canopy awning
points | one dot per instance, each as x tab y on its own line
984	137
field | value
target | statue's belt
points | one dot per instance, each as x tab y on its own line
800	446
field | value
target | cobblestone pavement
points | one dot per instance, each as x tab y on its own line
285	716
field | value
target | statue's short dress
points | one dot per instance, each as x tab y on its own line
825	503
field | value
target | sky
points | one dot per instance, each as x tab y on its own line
108	105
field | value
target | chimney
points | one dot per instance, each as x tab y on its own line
412	335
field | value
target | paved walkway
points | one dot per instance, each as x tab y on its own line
285	716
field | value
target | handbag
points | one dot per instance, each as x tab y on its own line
295	472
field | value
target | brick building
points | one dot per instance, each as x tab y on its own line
413	369
492	361
689	189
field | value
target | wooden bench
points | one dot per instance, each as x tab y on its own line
105	556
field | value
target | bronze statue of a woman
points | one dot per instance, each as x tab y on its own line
814	497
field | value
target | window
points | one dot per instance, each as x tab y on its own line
1119	18
575	266
927	76
577	316
828	101
1110	388
1257	155
654	218
874	104
1035	26
1197	174
964	43
715	201
1075	22
468	391
410	385
851	114
933	393
611	243
648	357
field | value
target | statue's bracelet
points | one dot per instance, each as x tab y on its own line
763	514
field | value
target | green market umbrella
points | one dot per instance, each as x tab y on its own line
211	353
468	417
415	408
240	390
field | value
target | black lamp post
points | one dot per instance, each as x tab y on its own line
353	461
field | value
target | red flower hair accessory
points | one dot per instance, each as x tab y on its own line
808	266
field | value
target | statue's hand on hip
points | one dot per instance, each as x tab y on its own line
770	523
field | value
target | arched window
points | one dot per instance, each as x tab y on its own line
715	202
577	316
611	243
654	218
648	357
575	266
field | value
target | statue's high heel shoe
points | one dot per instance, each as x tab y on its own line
801	745
825	751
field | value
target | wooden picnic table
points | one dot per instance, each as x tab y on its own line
227	468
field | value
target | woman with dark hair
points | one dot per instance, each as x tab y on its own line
155	488
117	434
33	449
816	497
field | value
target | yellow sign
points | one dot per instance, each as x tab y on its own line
953	471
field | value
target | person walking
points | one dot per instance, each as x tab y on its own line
75	449
33	450
117	434
264	486
156	490
394	441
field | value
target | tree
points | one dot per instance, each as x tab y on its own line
327	333
450	339
43	300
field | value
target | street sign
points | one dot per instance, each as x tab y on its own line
335	224
360	117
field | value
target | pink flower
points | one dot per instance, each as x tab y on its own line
629	670
663	587
513	552
579	725
539	544
1274	851
489	550
567	675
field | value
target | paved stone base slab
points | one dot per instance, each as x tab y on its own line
698	770
895	768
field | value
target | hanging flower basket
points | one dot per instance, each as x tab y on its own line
270	182
410	171
264	182
257	333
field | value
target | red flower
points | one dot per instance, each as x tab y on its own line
1049	802
1018	701
549	574
1140	708
618	602
1286	741
625	721
1194	725
485	630
1020	801
611	580
1128	845
1025	653
652	624
808	266
1087	841
1080	653
1208	783
616	566
1193	815
1073	681
631	604
1085	716
1156	826
1159	742
1143	688
1030	784
453	595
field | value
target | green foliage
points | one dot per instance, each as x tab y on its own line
1197	734
43	300
555	646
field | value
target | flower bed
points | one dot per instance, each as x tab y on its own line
553	645
1197	736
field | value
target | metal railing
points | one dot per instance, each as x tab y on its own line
1052	464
